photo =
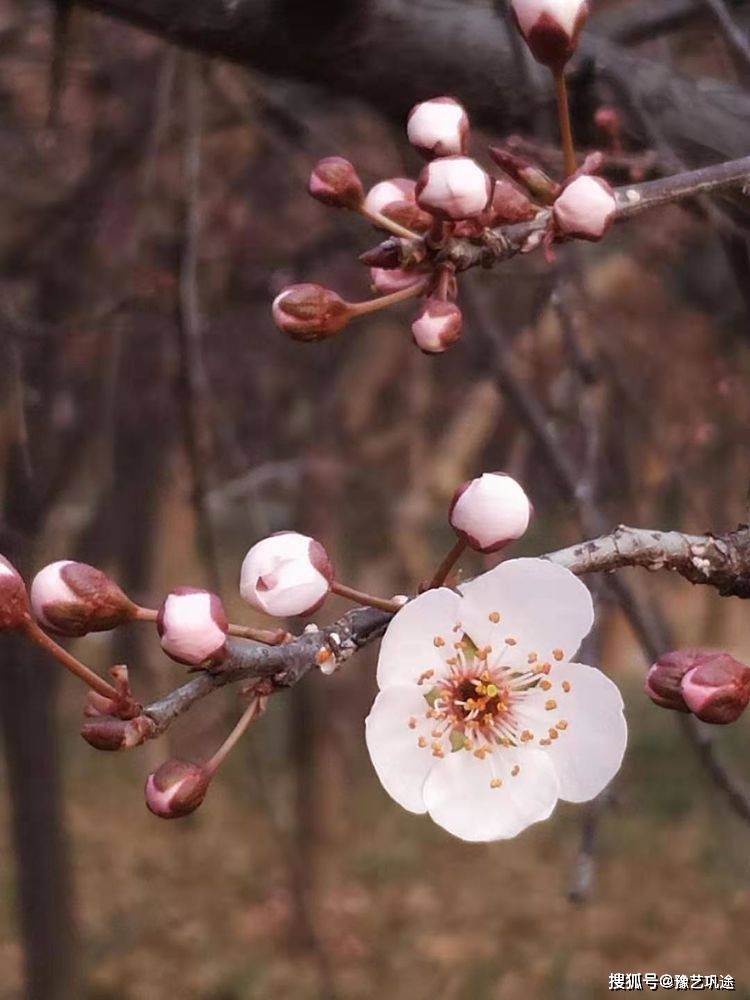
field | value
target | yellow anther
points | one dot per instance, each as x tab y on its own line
533	657
562	725
425	676
438	641
492	691
526	736
510	641
550	705
558	654
421	742
496	783
516	771
566	686
545	743
494	617
412	723
545	685
553	734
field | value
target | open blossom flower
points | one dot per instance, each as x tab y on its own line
192	626
454	188
551	28
286	574
482	720
490	512
586	208
438	127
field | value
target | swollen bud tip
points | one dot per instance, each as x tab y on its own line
176	788
335	182
551	28
454	188
438	325
73	599
586	209
286	574
490	512
310	312
193	626
713	686
438	127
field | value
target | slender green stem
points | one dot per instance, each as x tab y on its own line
374	305
250	713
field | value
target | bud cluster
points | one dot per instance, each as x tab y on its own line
453	198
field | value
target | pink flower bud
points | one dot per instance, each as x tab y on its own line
551	28
585	209
490	512
386	192
664	679
193	626
717	689
439	127
176	788
454	188
437	327
335	182
387	281
539	184
310	312
73	599
14	601
286	574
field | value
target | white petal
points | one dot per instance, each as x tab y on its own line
542	606
588	752
401	764
460	797
408	648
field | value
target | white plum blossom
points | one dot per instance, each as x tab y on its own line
286	574
192	626
482	720
455	188
585	209
438	127
490	511
384	193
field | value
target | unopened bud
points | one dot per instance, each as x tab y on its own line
538	183
14	601
73	599
717	689
335	182
509	205
386	192
664	679
455	188
193	626
176	788
108	733
286	574
490	512
310	312
551	28
609	121
437	327
586	209
439	127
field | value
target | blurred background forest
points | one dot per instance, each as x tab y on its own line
155	423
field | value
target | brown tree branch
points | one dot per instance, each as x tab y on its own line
504	242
